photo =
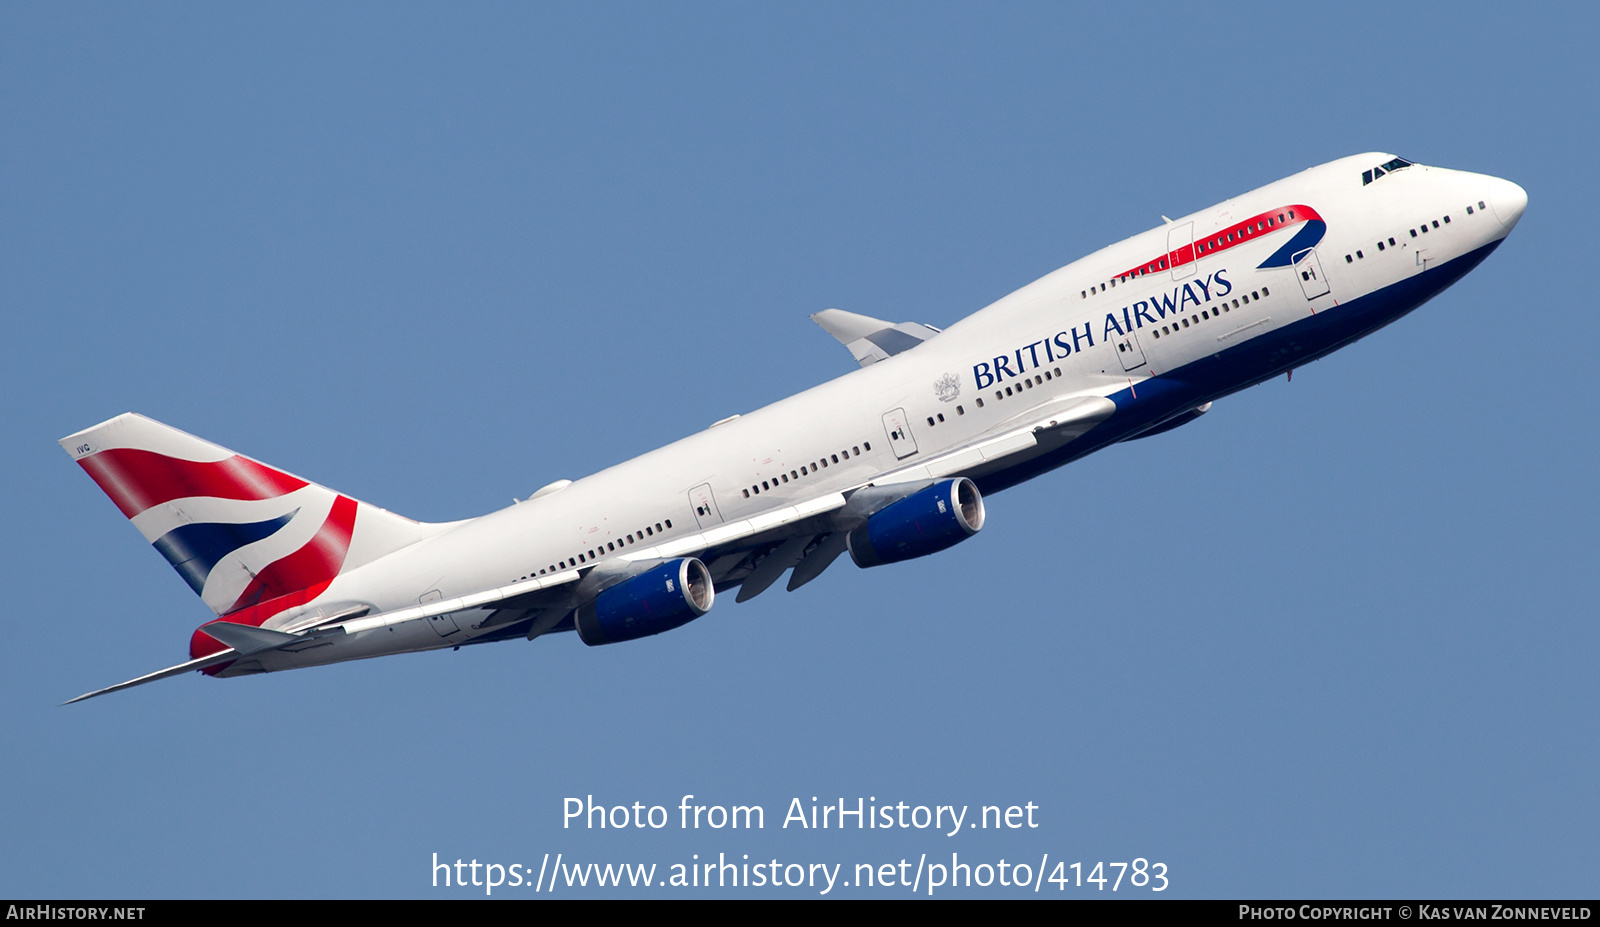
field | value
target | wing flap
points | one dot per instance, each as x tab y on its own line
788	554
820	558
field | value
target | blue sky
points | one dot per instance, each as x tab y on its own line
1335	639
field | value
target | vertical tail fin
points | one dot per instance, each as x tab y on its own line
239	532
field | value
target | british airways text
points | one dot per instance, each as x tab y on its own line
1198	292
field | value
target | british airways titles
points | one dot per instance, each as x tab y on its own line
1199	292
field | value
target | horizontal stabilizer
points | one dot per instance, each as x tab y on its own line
192	666
871	340
245	639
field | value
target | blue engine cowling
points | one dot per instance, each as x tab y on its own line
922	523
663	597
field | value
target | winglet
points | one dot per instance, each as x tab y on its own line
871	340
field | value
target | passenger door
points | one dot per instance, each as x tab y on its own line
898	427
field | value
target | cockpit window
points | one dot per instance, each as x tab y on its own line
1395	165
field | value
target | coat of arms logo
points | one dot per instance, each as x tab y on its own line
947	388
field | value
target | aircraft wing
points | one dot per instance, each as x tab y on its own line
810	536
871	340
721	538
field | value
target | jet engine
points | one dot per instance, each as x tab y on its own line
922	523
664	597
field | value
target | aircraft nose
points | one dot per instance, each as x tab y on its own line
1508	200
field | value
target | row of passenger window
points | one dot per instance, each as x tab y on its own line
1026	384
795	475
1213	312
1016	389
608	547
1242	232
1423	229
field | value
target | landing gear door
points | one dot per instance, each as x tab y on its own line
1128	349
1309	269
705	506
898	428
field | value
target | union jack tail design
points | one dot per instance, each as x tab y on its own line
251	540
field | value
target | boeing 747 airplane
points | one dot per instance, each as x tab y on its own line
889	462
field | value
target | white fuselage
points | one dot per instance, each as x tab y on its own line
1159	343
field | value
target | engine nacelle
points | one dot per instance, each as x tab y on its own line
664	597
925	522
